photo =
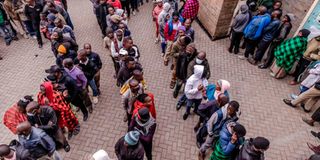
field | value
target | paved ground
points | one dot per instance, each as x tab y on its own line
263	112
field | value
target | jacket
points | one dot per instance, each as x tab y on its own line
134	52
20	152
283	32
33	13
55	44
171	30
47	115
312	52
101	13
152	109
206	110
254	29
12	117
128	99
38	143
271	30
183	61
95	58
146	129
205	63
69	84
191	9
216	122
225	139
129	153
313	77
3	15
191	87
248	153
89	69
125	73
241	20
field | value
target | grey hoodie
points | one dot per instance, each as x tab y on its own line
241	20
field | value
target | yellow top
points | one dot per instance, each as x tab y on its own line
126	86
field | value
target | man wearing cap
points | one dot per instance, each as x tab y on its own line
253	148
95	58
129	97
146	126
126	70
89	69
68	86
129	147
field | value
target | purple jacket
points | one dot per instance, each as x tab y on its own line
78	76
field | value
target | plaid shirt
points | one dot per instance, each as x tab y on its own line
12	117
66	117
290	51
190	9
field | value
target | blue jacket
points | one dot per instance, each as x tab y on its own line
225	140
258	23
38	143
271	30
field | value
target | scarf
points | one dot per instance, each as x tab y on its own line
146	125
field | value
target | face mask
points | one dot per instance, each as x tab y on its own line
198	61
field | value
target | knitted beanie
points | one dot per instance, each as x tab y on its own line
62	49
132	138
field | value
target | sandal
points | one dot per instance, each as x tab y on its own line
288	102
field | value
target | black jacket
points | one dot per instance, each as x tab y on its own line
72	45
47	114
101	13
283	32
125	73
248	153
95	58
89	69
68	83
33	13
129	153
182	65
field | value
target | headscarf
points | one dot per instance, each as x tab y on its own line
49	92
224	85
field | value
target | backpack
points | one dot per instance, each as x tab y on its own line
21	152
251	31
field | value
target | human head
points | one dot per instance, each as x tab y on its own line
185	40
87	47
304	33
260	144
122	26
102	1
5	151
55	36
109	32
127	42
119	34
137	75
24	128
82	55
277	5
233	108
175	16
123	54
58	23
111	10
222	85
68	63
286	18
62	49
131	138
23	102
143	114
187	24
145	99
30	2
262	10
222	100
239	130
182	31
33	108
159	3
51	17
167	18
166	7
201	57
134	86
54	72
244	8
198	71
276	14
42	16
131	64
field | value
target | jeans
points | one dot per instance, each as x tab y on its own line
79	102
134	5
262	48
148	149
182	99
196	103
178	86
6	33
235	41
29	27
250	47
94	87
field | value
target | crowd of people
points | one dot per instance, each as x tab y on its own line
46	124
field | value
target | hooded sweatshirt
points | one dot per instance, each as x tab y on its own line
241	20
191	88
164	13
248	153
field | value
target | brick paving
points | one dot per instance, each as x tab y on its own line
260	96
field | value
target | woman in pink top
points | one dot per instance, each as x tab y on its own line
155	13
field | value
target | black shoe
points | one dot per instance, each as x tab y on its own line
85	117
178	106
66	147
315	134
175	94
288	102
229	50
70	134
185	116
304	109
15	38
90	109
40	45
8	43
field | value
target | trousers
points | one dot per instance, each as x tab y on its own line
309	97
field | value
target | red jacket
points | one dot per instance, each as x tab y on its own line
115	4
152	109
173	34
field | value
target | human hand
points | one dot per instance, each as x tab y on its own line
234	138
200	87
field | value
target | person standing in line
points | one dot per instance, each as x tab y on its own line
101	13
253	148
32	10
238	25
155	14
190	9
189	30
129	147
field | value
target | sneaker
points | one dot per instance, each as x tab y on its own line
66	147
25	36
156	41
310	123
95	100
34	37
242	57
315	134
133	13
178	106
85	117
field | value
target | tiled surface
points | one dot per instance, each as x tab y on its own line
263	113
